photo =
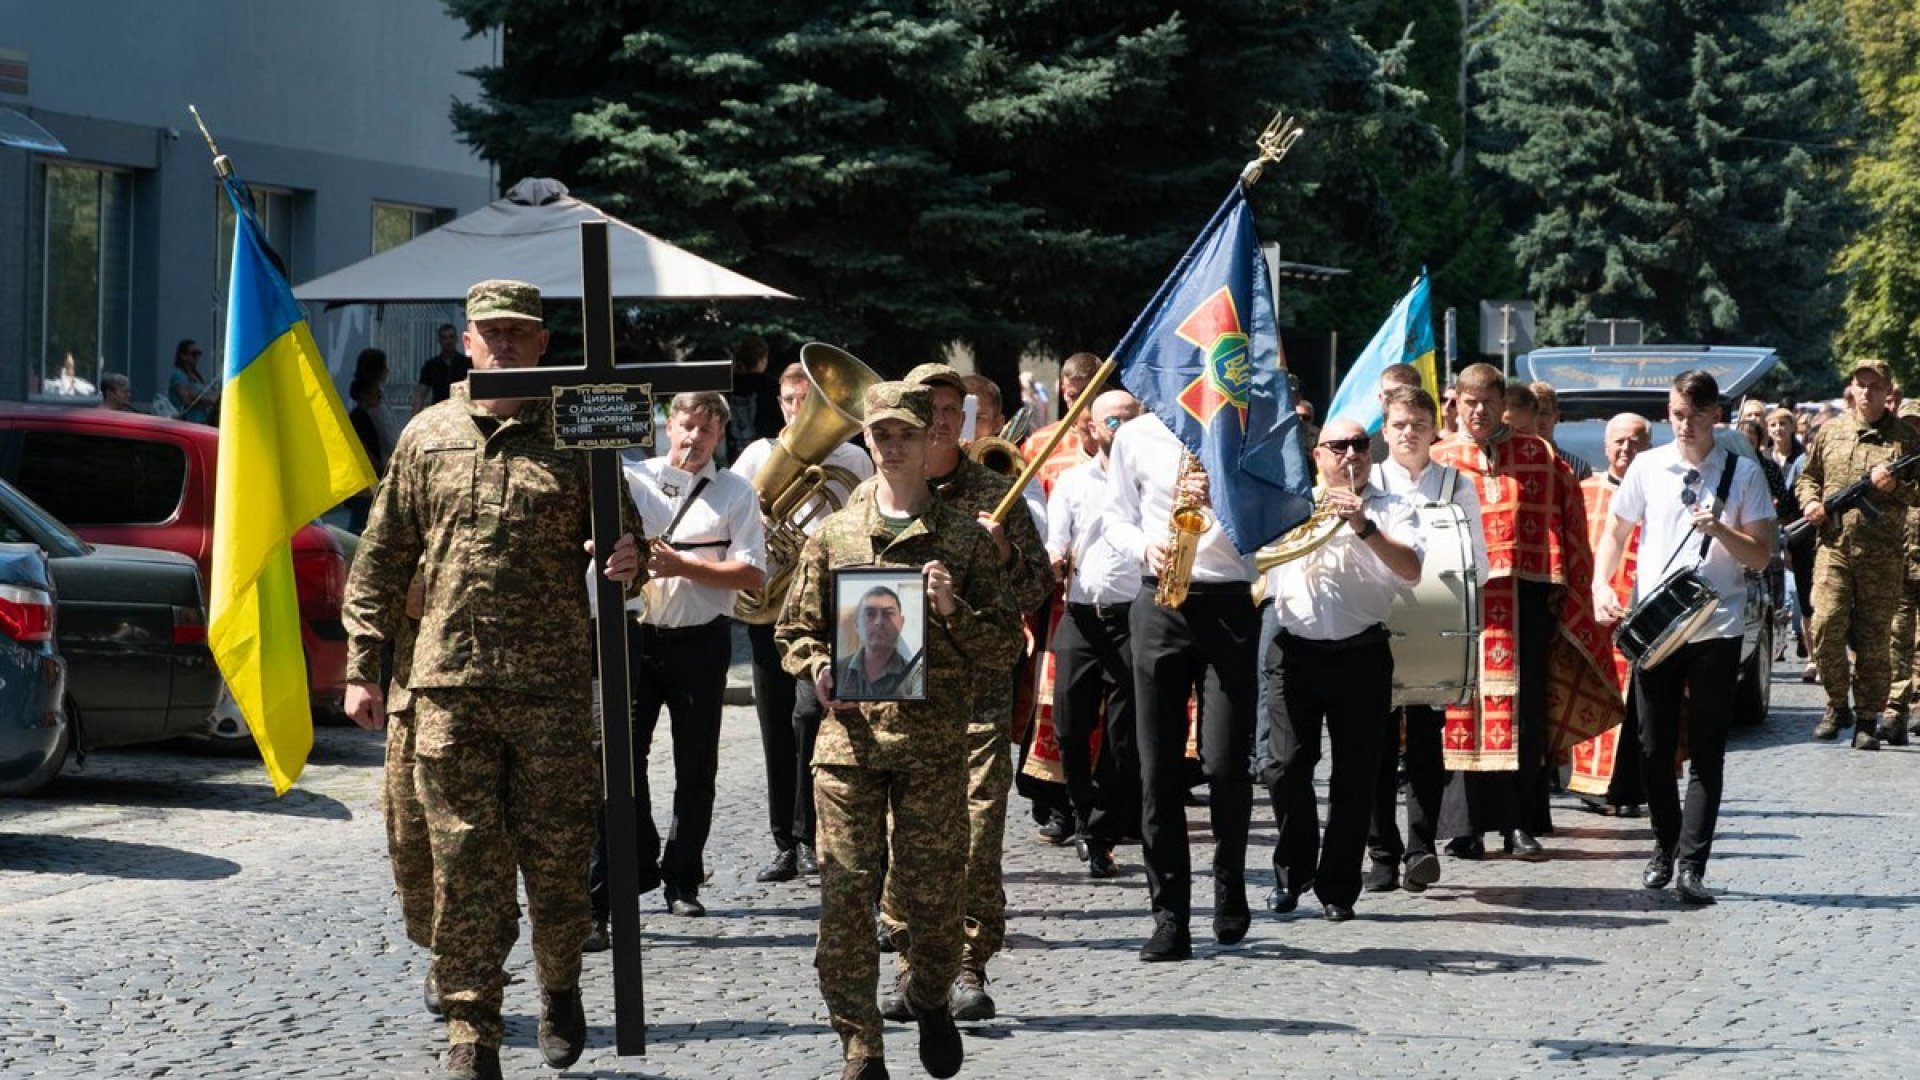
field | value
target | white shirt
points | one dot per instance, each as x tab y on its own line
1342	587
1426	491
1650	496
723	524
1143	465
1076	528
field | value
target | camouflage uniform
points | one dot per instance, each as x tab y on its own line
494	518
408	843
1857	569
972	490
907	758
1902	658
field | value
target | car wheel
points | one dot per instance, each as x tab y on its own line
36	782
1753	695
226	731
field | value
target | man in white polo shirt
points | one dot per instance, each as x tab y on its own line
1683	498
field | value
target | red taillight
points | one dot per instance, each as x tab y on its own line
189	626
26	614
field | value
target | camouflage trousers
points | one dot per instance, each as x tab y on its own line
989	782
1855	596
508	781
1903	659
928	844
408	845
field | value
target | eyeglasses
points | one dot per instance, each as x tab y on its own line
1359	444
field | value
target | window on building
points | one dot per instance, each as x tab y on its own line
394	224
81	248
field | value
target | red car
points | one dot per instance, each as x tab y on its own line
125	478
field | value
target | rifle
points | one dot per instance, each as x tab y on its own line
1851	497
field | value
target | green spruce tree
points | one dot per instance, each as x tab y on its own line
1882	261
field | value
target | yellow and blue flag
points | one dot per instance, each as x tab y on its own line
1205	357
1405	338
287	455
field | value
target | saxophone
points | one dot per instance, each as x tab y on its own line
1188	520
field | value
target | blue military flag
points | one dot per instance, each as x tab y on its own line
1205	357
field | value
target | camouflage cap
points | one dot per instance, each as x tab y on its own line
898	401
1868	363
937	375
498	298
1910	409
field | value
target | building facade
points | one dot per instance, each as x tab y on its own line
336	114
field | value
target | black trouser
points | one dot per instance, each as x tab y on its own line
1209	641
1701	674
1426	784
1093	662
1626	786
789	776
1347	685
684	669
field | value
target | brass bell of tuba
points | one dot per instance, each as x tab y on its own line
1001	452
1303	538
793	483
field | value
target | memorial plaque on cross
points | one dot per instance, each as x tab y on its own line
600	409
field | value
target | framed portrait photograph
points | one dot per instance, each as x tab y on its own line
879	634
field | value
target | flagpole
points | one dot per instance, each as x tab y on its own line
1019	488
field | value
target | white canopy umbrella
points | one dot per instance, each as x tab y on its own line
532	235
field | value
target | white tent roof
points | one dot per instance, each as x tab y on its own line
531	235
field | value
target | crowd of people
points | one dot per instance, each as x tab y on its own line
1078	641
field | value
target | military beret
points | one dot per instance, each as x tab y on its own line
498	298
898	401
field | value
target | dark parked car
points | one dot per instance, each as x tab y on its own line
133	630
33	677
124	478
1595	383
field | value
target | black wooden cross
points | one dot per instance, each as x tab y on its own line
610	629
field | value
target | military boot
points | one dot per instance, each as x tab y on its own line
1893	728
563	1027
471	1061
893	1003
1831	722
969	999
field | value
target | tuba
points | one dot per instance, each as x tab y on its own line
1305	537
793	482
1188	520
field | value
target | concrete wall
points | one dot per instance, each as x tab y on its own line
344	103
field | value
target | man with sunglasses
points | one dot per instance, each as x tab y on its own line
1674	495
1331	662
1092	650
1856	567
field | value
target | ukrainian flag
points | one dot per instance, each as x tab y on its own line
287	455
1405	338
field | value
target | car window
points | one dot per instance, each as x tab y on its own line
86	479
23	522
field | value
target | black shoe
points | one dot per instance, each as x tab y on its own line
1056	831
1467	847
471	1061
940	1051
1170	941
969	1000
563	1027
1282	902
1692	890
893	1003
1380	876
1230	915
784	866
1422	870
809	866
870	1068
1632	809
1100	863
1523	847
599	939
431	992
1337	912
1659	871
685	902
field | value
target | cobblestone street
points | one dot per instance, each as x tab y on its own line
169	917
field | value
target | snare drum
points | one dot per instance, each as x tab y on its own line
1435	623
1666	618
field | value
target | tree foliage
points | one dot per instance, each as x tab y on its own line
1675	162
1016	174
1882	261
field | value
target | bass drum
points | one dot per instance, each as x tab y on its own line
1435	624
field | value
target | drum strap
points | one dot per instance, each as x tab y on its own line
1722	490
1448	478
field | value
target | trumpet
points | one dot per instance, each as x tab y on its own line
1185	525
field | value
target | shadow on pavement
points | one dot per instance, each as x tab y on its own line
748	941
1263	1025
1839	900
42	854
185	794
1580	1050
1520	920
1435	961
1562	897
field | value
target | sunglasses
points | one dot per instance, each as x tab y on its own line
1113	423
1688	496
1359	444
